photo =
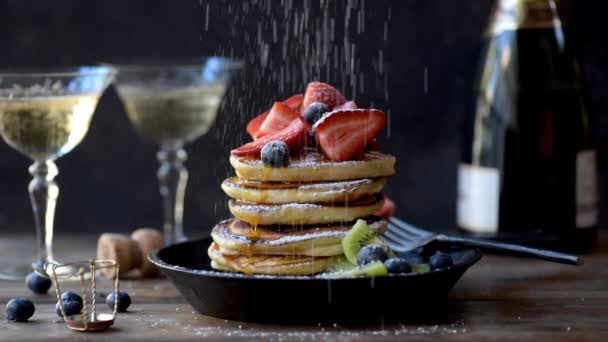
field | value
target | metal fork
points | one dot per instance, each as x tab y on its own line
403	237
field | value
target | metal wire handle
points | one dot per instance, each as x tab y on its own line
116	289
94	265
83	285
94	288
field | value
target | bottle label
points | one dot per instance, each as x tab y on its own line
586	189
478	198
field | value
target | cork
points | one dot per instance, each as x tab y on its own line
148	240
120	248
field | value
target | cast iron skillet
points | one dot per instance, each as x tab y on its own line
304	299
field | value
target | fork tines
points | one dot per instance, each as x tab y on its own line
403	237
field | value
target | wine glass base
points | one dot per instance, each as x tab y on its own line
20	272
66	272
15	272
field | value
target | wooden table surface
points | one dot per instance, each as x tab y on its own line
500	298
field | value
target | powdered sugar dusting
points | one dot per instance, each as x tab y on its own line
329	186
377	226
191	324
299	238
336	185
316	159
278	208
330	332
269	208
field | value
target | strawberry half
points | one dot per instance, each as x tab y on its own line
372	145
280	116
342	134
295	136
322	92
253	126
388	208
295	102
347	105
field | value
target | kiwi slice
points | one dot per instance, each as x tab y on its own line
339	264
339	267
344	269
373	269
358	236
421	268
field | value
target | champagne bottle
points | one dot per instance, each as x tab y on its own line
528	168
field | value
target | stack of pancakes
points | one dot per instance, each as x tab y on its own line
291	220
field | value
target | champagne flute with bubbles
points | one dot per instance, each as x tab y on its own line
173	104
44	115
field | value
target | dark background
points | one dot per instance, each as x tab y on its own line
108	183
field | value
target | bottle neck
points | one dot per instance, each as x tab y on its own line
512	15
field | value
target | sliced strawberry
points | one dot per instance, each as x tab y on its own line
347	105
373	145
280	116
295	102
254	125
322	92
342	134
388	208
295	136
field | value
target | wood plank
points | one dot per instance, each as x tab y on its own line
500	298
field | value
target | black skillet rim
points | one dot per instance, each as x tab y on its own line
156	260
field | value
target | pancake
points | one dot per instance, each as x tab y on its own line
304	213
267	264
235	237
314	167
320	192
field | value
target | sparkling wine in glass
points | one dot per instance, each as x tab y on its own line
172	105
44	115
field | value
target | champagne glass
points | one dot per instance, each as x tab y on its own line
172	104
44	115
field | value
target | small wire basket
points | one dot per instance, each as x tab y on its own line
86	321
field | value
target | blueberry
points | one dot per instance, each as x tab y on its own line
123	301
275	154
38	283
71	307
314	112
397	265
71	296
19	309
440	260
371	253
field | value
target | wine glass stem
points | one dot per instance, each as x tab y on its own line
172	177
43	194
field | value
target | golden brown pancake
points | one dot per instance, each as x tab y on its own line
317	192
315	167
267	264
304	213
235	237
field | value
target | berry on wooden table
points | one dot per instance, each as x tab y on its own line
19	309
38	283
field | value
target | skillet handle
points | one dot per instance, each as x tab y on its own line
512	249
